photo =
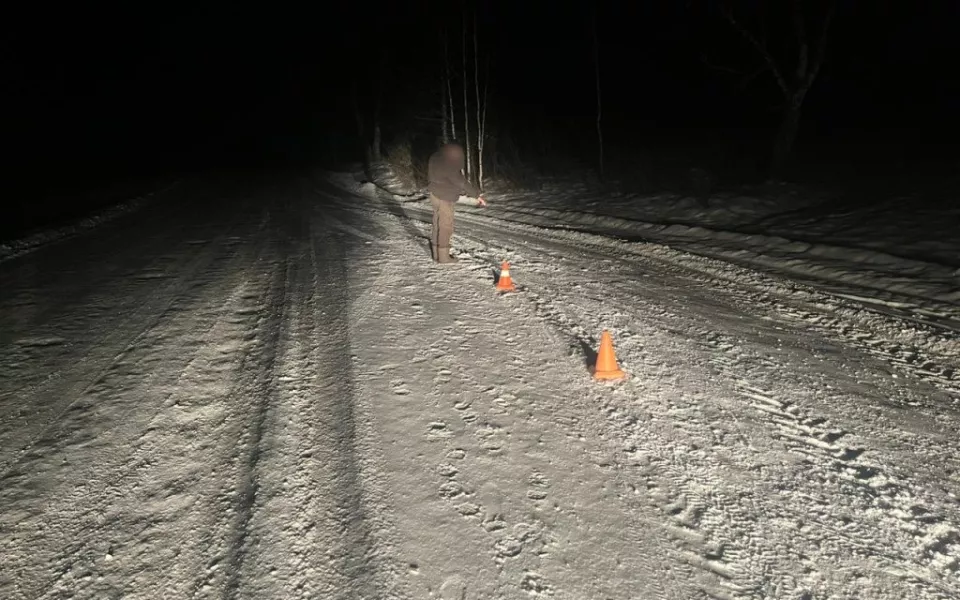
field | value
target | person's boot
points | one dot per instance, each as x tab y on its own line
433	253
444	257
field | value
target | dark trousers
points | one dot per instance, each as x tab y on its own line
442	229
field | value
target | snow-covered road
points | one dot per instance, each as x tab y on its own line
263	389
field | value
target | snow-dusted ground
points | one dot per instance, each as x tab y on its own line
265	390
893	252
38	239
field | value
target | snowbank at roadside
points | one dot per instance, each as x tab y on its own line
383	177
382	183
33	241
887	275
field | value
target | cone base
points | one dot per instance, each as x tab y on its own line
510	288
609	375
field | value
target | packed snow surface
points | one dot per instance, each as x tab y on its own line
37	239
264	389
896	253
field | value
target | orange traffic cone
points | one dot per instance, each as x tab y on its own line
606	368
504	283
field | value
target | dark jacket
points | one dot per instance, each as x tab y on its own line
446	179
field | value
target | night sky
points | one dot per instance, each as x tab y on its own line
93	88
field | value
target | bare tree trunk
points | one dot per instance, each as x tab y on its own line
450	104
794	86
480	107
483	123
466	107
453	111
596	60
786	136
444	112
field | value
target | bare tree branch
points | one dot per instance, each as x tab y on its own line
821	50
799	80
483	119
747	78
761	48
466	105
741	72
800	29
448	76
479	108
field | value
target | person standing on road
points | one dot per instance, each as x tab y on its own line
446	184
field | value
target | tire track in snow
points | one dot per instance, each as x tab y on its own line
312	527
256	386
191	436
134	398
904	303
936	556
359	559
54	396
919	349
46	290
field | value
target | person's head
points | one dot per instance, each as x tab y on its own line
453	152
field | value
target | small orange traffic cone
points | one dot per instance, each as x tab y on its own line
504	283
606	368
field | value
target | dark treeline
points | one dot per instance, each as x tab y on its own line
137	92
715	83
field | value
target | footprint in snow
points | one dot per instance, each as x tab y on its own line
489	435
453	589
508	547
438	430
447	470
494	523
451	489
534	584
539	485
493	446
468	509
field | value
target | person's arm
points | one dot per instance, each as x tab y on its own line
466	188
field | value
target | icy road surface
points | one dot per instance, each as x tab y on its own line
264	390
